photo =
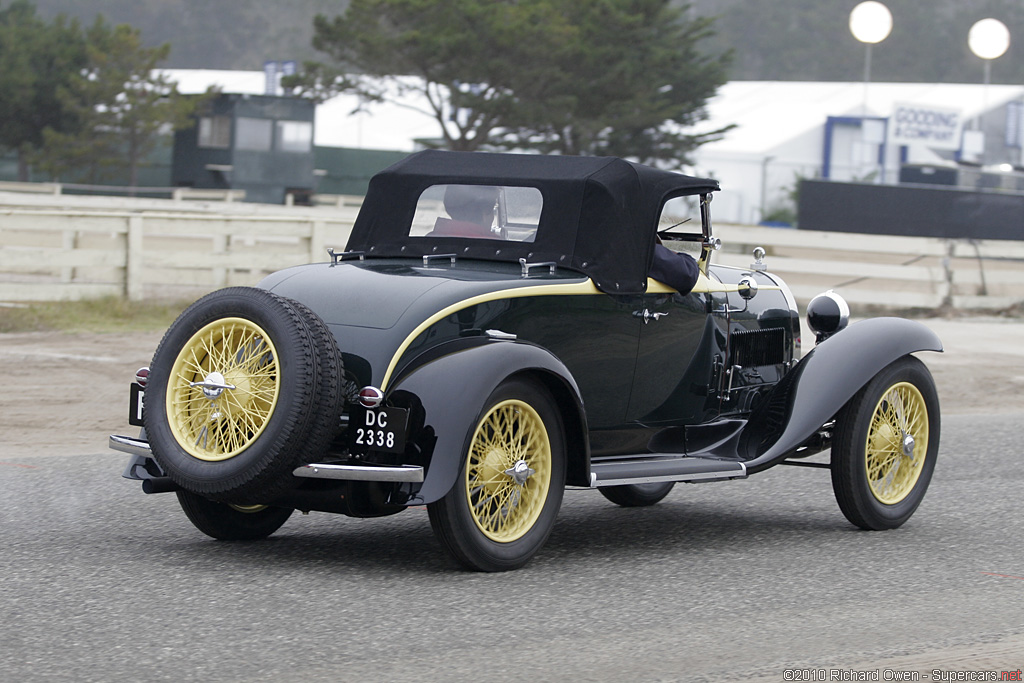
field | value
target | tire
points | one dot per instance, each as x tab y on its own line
637	495
271	399
885	446
227	522
491	521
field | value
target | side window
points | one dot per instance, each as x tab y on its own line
294	136
215	132
253	134
679	224
478	211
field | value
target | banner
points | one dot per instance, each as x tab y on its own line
924	124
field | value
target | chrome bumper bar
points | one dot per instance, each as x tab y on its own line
401	473
131	446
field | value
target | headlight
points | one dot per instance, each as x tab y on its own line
827	314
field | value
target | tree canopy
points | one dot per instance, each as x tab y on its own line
37	59
619	77
83	99
121	104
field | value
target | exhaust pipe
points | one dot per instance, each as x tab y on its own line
159	485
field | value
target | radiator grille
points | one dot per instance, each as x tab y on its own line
758	347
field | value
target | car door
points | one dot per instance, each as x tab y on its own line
679	352
673	382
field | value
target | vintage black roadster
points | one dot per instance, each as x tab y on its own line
490	335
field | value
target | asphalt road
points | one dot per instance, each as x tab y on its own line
734	580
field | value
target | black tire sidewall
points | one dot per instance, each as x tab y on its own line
471	547
263	469
849	467
221	521
637	495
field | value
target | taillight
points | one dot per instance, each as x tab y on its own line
370	397
141	377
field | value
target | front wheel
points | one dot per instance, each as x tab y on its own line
885	446
503	506
227	522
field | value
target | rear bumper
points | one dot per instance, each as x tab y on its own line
384	473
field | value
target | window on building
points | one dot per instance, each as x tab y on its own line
253	135
294	136
215	132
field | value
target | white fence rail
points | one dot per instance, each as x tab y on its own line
71	253
48	255
887	271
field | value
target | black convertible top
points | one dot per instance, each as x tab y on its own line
599	217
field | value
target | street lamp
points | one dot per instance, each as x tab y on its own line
870	23
988	39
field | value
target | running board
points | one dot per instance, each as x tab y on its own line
657	467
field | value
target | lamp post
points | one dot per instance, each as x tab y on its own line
870	23
988	39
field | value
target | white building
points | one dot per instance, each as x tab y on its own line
783	131
790	130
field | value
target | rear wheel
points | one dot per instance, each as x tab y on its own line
637	495
227	522
503	506
885	446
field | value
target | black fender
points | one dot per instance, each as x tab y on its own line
452	390
824	380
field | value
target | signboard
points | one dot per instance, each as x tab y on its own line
926	125
270	78
272	72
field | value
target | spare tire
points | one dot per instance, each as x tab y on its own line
244	387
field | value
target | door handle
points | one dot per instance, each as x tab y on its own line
647	316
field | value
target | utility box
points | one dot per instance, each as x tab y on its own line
260	144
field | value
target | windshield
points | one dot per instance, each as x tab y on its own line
679	225
492	212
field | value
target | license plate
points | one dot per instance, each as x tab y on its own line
135	405
378	429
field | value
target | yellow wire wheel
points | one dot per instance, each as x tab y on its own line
508	487
244	386
223	388
885	446
508	471
897	442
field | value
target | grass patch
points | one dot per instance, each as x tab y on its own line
108	314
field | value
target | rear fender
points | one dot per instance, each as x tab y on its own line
453	388
827	377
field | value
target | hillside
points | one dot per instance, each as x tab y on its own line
771	39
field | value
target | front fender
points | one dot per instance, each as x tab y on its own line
827	377
453	388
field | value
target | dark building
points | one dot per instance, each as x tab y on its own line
258	143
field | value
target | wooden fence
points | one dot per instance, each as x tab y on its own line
886	271
51	253
69	254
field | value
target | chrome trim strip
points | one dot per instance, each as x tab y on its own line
130	445
401	473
